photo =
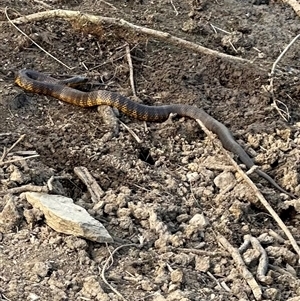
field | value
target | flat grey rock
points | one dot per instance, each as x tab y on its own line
64	216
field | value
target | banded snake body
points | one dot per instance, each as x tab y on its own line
36	82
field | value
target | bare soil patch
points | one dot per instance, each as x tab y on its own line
153	189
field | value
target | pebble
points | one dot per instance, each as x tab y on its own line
224	179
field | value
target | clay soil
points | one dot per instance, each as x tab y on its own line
156	188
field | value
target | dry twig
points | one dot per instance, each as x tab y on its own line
131	76
18	159
93	187
174	7
43	4
133	134
83	18
236	256
107	262
6	151
284	114
25	188
202	252
256	191
109	4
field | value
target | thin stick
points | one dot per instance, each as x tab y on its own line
4	154
283	53
107	3
2	295
133	134
105	267
32	41
42	3
19	159
236	256
278	60
131	76
220	29
6	151
121	23
174	7
16	143
284	114
255	189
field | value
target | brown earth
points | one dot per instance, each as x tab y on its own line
153	188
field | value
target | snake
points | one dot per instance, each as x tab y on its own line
65	90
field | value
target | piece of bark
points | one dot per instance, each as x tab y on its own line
93	187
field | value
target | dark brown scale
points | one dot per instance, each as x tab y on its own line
37	82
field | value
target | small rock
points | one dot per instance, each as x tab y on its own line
182	218
92	289
282	253
146	285
202	263
159	297
33	215
42	268
33	297
193	176
238	209
197	223
177	276
251	257
224	179
294	299
9	217
17	176
173	287
177	295
64	216
272	293
266	238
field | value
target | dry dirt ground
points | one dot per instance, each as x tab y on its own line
157	188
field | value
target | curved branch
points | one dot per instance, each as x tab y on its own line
121	23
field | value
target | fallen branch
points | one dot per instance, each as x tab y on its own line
258	194
26	188
49	187
83	18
